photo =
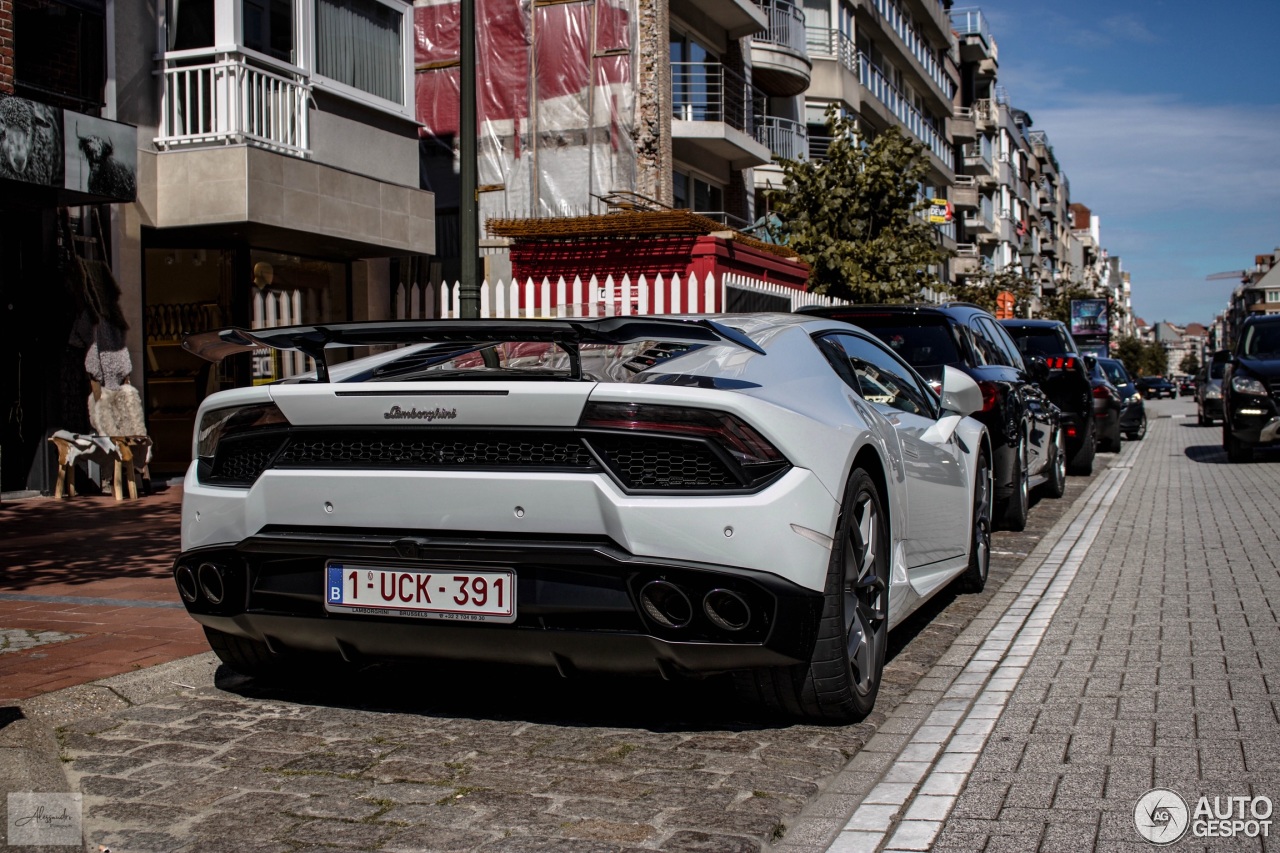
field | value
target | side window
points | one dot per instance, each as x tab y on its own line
1068	343
877	375
990	342
1006	343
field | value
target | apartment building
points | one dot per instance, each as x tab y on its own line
271	152
1258	293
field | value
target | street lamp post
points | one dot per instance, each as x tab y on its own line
468	207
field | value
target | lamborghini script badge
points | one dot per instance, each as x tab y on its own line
397	414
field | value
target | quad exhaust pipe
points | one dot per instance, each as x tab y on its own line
670	606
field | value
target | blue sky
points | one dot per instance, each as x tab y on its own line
1165	116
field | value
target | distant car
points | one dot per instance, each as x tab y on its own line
762	494
1155	387
1067	384
1251	389
1024	425
1187	386
1108	405
1133	418
1209	388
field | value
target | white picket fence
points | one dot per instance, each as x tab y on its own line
593	297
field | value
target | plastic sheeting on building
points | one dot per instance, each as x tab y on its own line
555	101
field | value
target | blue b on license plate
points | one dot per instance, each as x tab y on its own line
463	596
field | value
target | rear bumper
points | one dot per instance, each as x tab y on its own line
576	605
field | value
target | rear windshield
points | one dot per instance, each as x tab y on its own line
1037	341
1115	372
926	342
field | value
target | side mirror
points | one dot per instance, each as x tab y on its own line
960	394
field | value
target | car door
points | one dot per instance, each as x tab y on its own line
1033	401
936	480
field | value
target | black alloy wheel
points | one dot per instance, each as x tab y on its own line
1141	432
842	679
974	578
1056	486
1018	504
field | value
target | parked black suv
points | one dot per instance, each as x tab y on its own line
1251	389
1133	414
1024	425
1067	384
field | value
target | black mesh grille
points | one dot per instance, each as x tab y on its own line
239	461
436	449
644	462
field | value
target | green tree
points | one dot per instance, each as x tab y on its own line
855	217
1057	305
1190	364
984	290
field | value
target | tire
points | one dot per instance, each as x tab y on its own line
1203	420
974	578
245	656
1018	504
842	679
1141	432
1082	463
1056	486
1237	450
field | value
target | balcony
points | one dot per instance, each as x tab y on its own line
787	139
713	115
964	193
978	158
981	222
780	55
738	18
216	97
969	261
985	115
976	43
832	44
963	125
904	111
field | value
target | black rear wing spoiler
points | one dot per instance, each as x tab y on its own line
568	334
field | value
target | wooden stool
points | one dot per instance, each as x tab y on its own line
131	449
66	468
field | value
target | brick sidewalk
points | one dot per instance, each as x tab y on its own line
85	591
1161	667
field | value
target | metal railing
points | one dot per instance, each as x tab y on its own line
901	24
874	80
832	43
786	26
971	22
784	137
212	97
708	91
982	219
979	153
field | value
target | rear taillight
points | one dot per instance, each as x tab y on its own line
990	393
1102	392
252	433
751	462
1058	362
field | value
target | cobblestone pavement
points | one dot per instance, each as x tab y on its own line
443	759
1143	656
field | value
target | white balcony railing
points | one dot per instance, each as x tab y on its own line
786	138
221	97
834	44
786	26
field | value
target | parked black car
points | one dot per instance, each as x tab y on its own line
1155	387
1023	423
1251	389
1186	386
1067	384
1209	388
1108	405
1133	418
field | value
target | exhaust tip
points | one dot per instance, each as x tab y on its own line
726	609
186	580
666	604
212	582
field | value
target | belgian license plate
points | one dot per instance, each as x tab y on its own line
439	594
